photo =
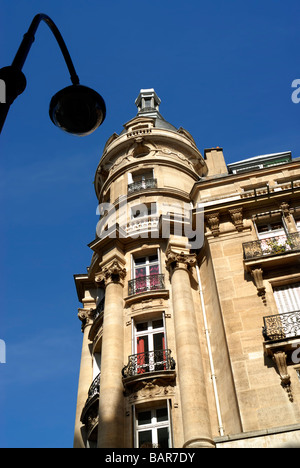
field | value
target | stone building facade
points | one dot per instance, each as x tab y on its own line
191	304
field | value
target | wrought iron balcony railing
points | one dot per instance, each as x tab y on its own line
272	246
94	391
99	309
94	388
142	185
151	361
146	283
277	327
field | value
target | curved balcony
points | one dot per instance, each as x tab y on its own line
98	319
148	364
90	412
142	185
146	283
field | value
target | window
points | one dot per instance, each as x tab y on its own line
145	266
146	274
272	229
140	176
96	364
150	346
141	180
143	210
287	298
153	428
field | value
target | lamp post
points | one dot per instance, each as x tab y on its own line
76	109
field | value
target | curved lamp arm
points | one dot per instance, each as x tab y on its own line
28	40
76	109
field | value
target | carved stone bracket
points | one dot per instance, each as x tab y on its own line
279	357
213	221
287	214
237	218
112	272
257	275
176	260
149	389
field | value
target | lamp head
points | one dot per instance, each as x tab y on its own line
77	109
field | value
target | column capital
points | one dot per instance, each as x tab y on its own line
112	272
86	317
180	259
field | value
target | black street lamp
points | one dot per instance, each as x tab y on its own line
76	109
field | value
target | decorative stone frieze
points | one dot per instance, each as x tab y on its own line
152	389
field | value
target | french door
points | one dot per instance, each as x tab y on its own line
153	428
150	346
146	273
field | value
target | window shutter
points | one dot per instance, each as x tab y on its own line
287	298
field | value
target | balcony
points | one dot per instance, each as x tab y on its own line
97	319
272	246
141	226
142	185
146	363
90	413
282	344
146	283
281	327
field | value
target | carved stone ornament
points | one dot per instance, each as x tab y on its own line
86	317
285	208
145	390
213	221
176	260
257	275
112	272
237	218
279	358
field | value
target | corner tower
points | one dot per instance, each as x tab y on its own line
143	378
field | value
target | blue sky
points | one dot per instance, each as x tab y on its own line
223	70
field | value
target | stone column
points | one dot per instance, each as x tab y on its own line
194	406
111	399
85	377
